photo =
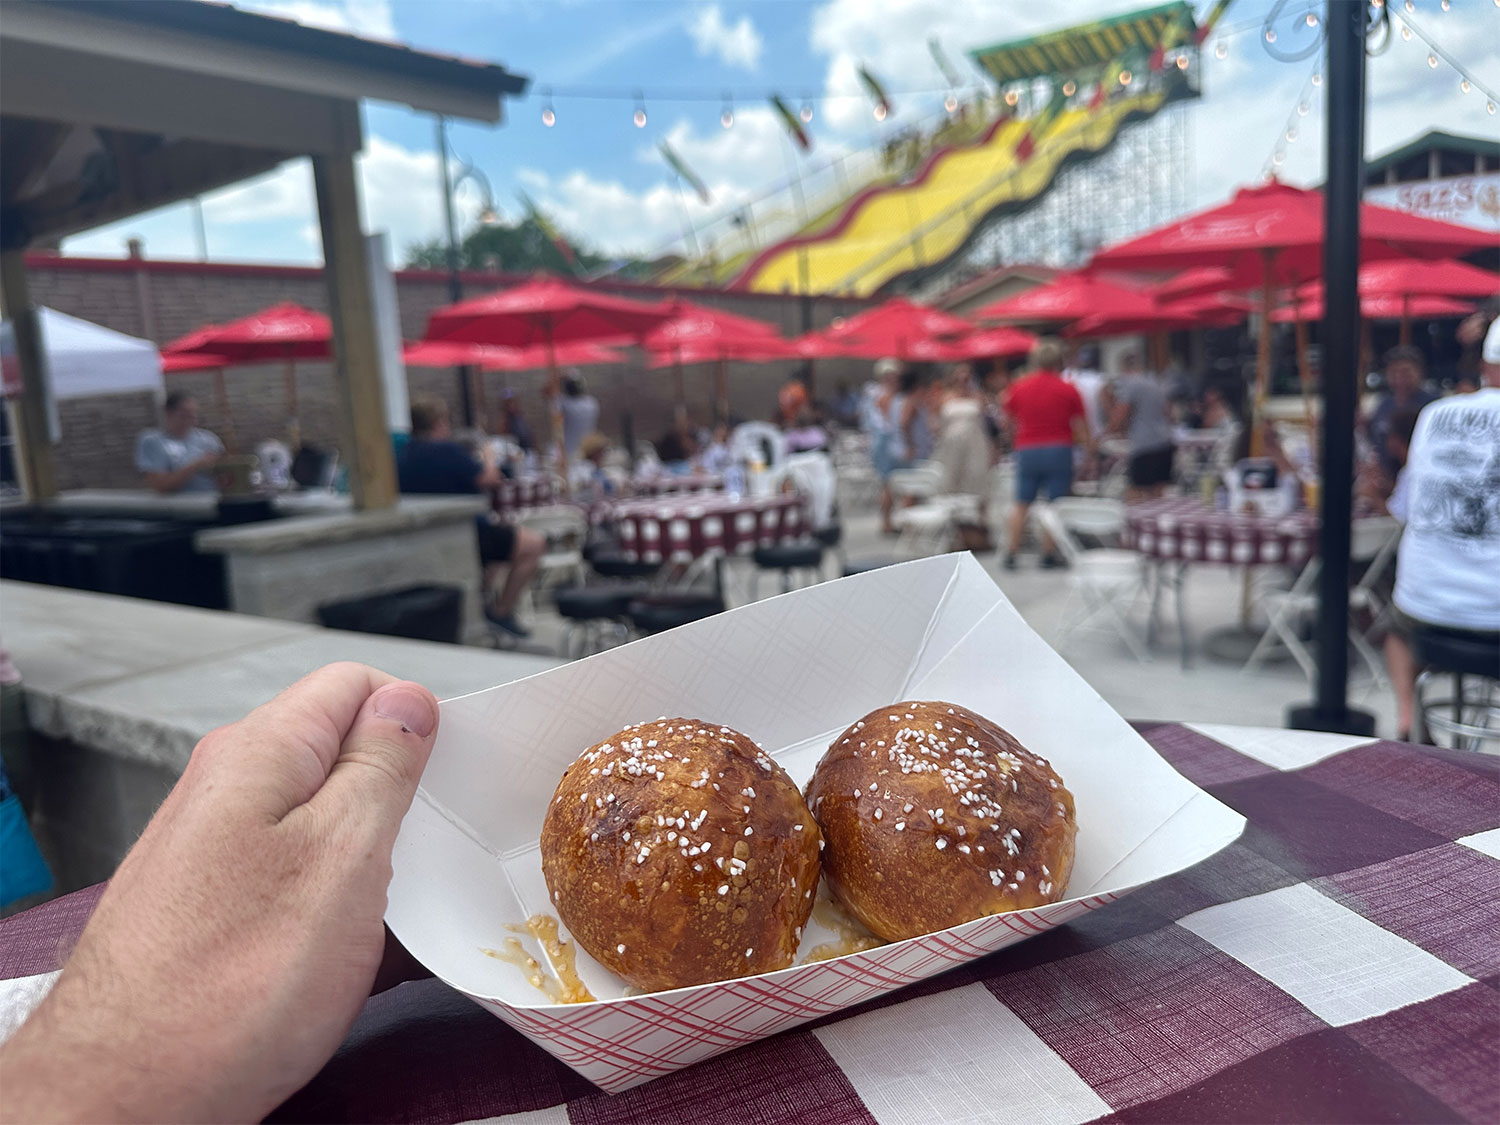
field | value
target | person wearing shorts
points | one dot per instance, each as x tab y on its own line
431	462
1048	415
1139	410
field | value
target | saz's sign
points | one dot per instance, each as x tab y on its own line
1473	201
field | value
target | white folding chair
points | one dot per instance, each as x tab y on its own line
1105	582
1372	541
1098	517
918	483
565	528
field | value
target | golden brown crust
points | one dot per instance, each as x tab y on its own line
934	816
677	852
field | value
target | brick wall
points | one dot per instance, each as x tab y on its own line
162	300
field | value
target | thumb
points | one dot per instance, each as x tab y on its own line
383	755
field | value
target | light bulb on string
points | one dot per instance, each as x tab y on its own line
1302	108
639	117
549	117
1011	97
1489	107
1221	50
950	103
1464	85
1276	159
880	111
1125	77
1446	4
1070	88
1270	35
1317	80
1291	134
805	112
1411	6
1182	62
1406	34
1432	61
726	116
1312	19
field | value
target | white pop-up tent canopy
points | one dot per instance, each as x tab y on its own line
84	358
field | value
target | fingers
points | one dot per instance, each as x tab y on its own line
280	754
381	759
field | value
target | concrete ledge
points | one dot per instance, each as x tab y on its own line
277	536
145	681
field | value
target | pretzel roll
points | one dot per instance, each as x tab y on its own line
934	816
677	852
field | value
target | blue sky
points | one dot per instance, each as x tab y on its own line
600	178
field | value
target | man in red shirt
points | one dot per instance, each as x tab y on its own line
1048	415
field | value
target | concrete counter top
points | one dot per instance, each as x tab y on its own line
322	528
145	681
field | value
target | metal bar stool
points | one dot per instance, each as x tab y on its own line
1471	714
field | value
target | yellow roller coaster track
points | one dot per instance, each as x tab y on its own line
917	225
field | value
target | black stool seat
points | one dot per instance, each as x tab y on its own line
1455	650
588	603
830	534
864	566
789	556
656	613
612	564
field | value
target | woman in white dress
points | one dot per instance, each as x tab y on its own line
963	447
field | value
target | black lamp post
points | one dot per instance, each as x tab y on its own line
468	171
1344	76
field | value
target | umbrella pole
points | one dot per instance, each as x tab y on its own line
681	409
221	392
289	383
1405	319
1262	357
723	379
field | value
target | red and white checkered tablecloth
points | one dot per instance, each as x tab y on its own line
667	485
1183	528
685	527
1340	961
536	490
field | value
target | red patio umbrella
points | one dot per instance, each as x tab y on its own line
285	331
1167	316
1194	283
893	328
1404	278
447	353
1271	236
545	312
699	334
1068	297
1001	342
1377	308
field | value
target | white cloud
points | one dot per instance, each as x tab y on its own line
370	18
735	44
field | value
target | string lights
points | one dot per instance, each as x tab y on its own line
639	116
726	115
1291	130
1467	82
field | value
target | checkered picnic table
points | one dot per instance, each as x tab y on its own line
1340	961
682	528
534	490
1184	529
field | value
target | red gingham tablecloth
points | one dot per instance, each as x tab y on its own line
1184	528
685	527
1340	961
666	485
538	490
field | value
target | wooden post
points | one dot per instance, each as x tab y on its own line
1304	378
289	387
221	390
366	442
1405	319
33	442
723	388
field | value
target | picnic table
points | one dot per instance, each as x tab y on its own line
1339	961
667	484
525	492
683	528
1175	533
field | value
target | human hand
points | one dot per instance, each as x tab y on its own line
237	941
208	460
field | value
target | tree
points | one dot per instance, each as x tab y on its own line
521	247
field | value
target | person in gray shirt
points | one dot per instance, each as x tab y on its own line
1139	410
178	457
580	413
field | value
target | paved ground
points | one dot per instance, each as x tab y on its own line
1208	691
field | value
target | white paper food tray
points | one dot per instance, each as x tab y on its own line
791	673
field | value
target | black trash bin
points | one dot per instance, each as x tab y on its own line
420	613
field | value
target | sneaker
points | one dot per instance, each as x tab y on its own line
1052	562
1010	561
507	622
